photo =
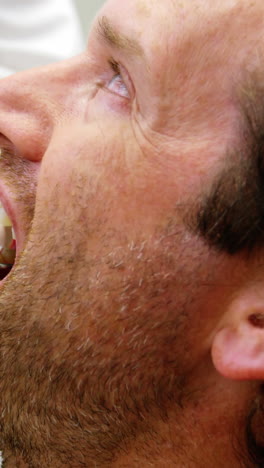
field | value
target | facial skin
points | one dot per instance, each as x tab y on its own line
132	324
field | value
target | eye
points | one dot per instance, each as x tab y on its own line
117	84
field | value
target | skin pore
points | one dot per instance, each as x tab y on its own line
136	172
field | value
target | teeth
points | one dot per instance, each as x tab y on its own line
4	219
7	240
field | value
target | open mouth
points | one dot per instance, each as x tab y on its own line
7	244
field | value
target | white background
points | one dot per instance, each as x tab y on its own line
87	10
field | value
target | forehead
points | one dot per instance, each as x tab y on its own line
193	45
182	16
176	28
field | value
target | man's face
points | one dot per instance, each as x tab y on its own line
133	179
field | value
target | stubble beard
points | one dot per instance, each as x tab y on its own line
94	347
90	343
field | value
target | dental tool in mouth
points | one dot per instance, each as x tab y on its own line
7	244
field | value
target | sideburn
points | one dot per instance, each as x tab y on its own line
230	217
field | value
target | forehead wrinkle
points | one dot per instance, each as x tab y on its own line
117	39
201	66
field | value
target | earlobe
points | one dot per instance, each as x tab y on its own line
238	348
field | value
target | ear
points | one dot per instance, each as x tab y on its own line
238	345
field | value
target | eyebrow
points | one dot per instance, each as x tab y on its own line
116	39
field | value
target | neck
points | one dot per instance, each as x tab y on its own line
207	430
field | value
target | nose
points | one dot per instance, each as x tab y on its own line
32	103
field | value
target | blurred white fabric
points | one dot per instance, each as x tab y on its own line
37	32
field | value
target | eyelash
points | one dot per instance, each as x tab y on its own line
115	66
